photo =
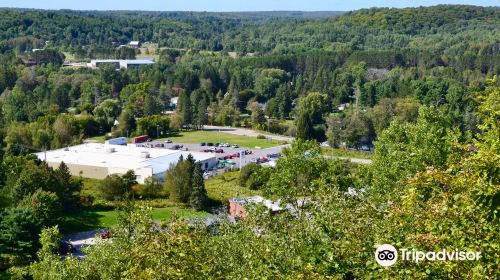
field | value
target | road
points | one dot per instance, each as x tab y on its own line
246	132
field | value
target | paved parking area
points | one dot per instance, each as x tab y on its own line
256	153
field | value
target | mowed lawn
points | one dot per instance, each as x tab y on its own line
91	219
199	136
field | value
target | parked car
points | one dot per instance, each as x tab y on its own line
168	141
276	155
219	151
254	160
176	147
236	146
210	144
203	144
226	145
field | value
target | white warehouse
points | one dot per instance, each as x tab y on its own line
120	63
94	160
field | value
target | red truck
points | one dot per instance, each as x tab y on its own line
140	139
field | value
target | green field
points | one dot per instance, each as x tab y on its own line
92	219
335	152
199	136
223	187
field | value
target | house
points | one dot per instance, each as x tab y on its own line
238	205
134	44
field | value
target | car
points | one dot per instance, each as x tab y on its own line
217	144
203	144
219	151
254	160
236	146
210	144
236	155
168	141
226	145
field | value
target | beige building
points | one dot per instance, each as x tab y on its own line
94	160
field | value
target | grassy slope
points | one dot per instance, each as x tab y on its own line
221	137
220	189
91	219
225	186
345	153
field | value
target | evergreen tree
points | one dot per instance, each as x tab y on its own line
198	197
305	128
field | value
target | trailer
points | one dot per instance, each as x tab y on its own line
140	139
116	141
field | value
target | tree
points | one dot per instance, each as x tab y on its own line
126	123
64	131
115	187
107	112
179	178
404	149
153	125
69	187
309	119
257	117
198	198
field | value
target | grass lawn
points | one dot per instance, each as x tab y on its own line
345	153
91	219
199	136
99	139
225	186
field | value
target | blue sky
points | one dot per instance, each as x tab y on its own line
230	5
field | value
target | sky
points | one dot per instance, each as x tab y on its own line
230	5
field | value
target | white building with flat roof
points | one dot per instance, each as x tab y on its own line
95	160
120	63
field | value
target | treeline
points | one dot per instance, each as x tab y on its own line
452	30
219	90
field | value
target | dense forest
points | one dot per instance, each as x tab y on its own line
417	86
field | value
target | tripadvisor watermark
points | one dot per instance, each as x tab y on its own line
387	255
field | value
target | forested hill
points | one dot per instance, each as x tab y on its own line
446	29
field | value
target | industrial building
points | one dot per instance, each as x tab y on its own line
120	63
95	160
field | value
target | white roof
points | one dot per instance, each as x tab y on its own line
123	157
134	43
257	200
123	61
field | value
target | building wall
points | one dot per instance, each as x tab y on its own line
237	210
87	171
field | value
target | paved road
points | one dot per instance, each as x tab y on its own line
81	240
246	132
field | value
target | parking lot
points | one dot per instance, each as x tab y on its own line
223	153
